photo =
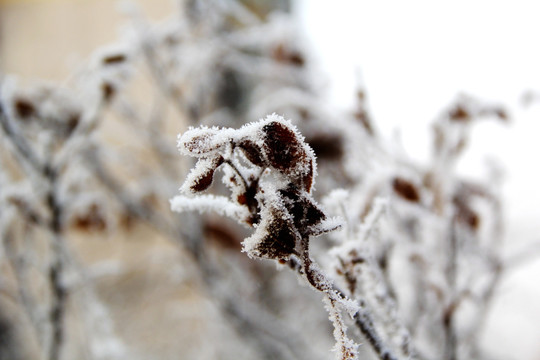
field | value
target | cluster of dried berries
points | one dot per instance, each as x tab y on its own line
270	171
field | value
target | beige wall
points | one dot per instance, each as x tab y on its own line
47	39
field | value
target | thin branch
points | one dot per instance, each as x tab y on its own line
24	151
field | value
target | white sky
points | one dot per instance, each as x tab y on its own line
414	57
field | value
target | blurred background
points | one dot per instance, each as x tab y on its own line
412	58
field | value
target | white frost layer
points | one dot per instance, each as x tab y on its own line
206	203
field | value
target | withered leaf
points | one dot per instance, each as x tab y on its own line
279	241
287	153
252	152
282	147
302	208
202	183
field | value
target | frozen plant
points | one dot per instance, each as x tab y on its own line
270	172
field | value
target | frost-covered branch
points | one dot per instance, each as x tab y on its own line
270	172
